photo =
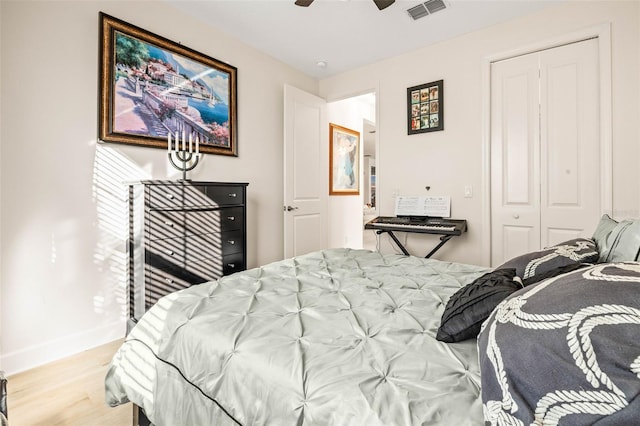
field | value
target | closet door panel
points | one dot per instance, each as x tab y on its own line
515	197
569	141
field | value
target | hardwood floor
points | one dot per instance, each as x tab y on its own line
66	392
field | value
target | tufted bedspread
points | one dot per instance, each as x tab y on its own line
336	337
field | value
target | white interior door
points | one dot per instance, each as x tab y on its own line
545	144
306	174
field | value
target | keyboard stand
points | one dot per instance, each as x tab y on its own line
444	228
443	240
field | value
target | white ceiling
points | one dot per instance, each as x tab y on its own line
347	34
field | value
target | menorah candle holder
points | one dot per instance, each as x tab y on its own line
183	159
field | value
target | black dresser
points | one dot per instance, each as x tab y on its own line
183	233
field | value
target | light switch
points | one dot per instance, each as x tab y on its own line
468	191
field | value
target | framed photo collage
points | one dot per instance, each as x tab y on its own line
425	112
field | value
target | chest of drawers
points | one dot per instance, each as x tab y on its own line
183	233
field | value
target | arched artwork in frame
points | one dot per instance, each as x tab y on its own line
344	161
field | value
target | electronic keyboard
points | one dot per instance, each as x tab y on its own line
426	225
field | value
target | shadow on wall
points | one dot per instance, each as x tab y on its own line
112	171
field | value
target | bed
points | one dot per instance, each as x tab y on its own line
354	337
335	337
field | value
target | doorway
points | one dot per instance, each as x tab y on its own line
346	212
370	209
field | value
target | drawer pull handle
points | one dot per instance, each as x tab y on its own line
233	195
169	224
169	280
232	242
232	218
169	252
169	196
231	265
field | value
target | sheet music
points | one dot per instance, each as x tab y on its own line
435	206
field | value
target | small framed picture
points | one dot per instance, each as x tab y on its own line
344	163
425	108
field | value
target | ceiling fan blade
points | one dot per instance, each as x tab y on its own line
383	4
303	3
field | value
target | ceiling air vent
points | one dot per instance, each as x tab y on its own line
426	8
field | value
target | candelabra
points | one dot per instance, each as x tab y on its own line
185	155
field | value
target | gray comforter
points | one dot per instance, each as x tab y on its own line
566	351
336	337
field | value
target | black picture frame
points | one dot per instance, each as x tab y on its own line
425	108
151	87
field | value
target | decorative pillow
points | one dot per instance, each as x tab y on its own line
530	265
623	243
467	309
554	272
600	235
626	248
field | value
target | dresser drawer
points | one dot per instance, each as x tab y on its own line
193	196
159	283
219	219
161	224
208	269
212	268
164	196
233	263
169	251
225	195
196	247
172	223
232	242
231	218
203	246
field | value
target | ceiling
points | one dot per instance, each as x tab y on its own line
347	34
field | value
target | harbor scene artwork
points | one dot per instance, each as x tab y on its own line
153	88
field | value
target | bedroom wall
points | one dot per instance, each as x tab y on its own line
449	160
63	206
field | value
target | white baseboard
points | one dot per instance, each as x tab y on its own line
37	355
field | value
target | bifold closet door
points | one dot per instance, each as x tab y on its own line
569	142
545	173
515	157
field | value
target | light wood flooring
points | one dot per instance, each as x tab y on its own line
66	392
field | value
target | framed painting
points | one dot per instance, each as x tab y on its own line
425	108
344	161
152	88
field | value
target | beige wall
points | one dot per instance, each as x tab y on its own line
448	160
63	214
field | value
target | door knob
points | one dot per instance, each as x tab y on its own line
290	208
516	216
